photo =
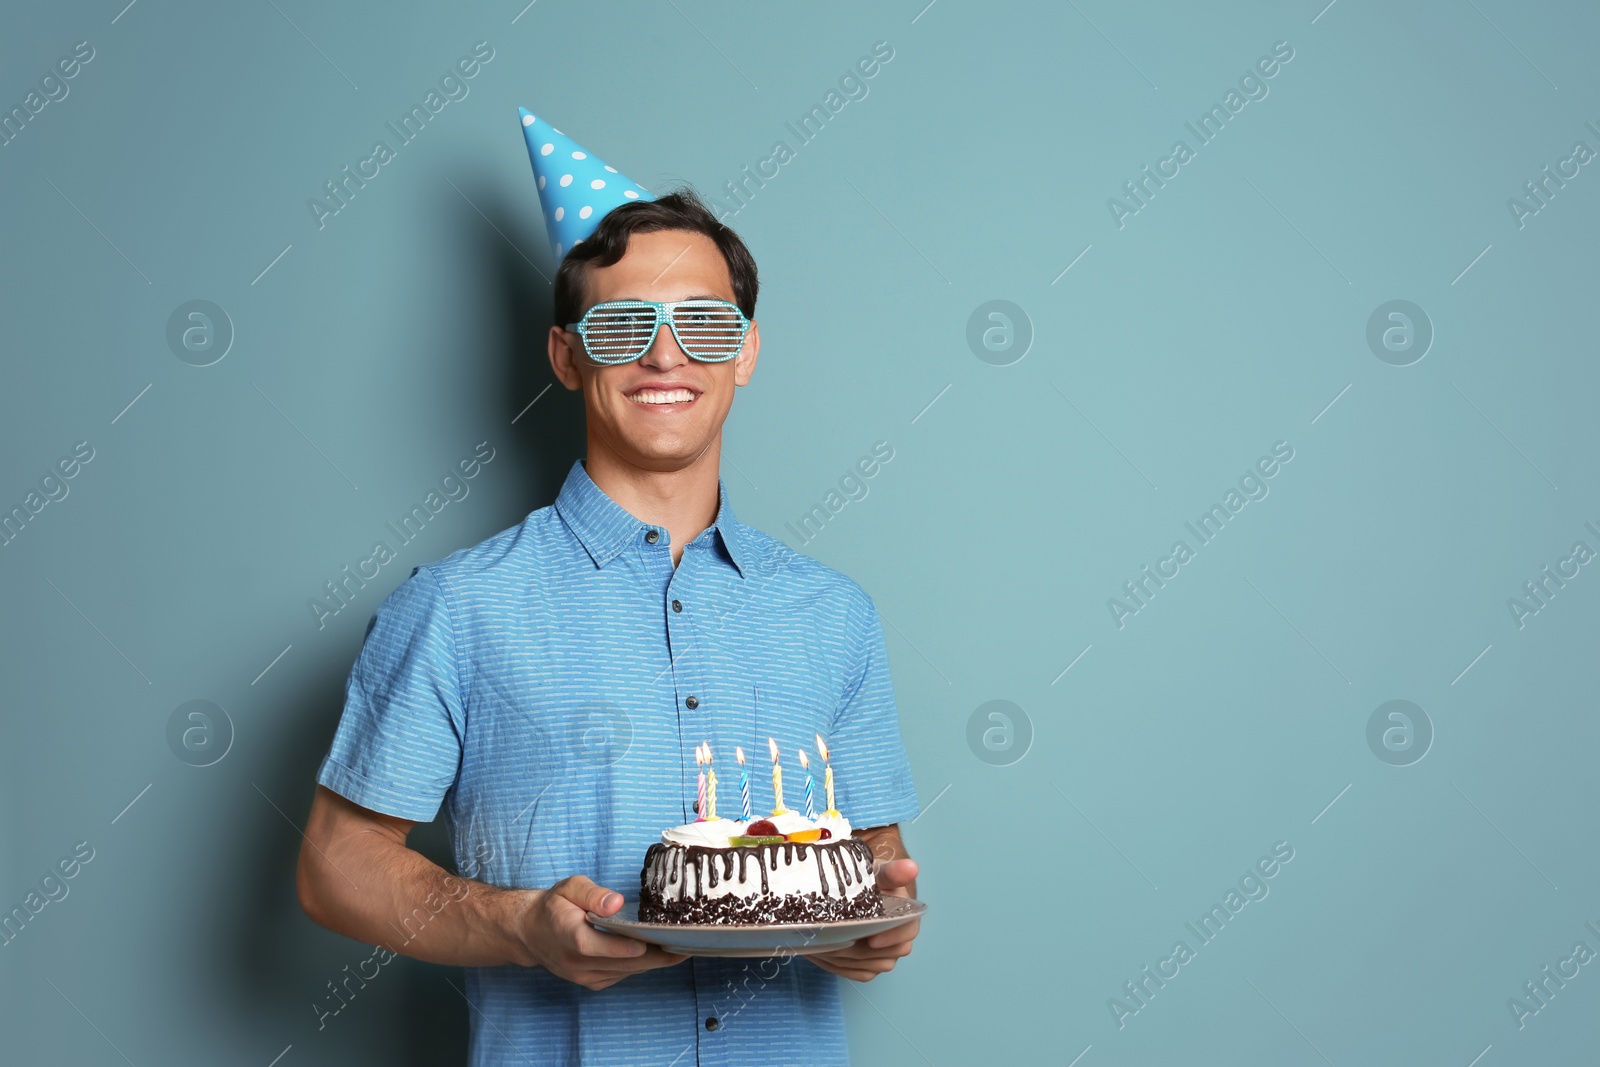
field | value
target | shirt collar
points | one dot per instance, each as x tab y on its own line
605	527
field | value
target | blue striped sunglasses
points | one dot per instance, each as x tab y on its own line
620	331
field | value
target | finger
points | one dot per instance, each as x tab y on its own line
898	935
897	874
610	951
894	936
614	970
855	974
859	954
850	954
601	977
593	943
655	956
830	965
583	893
605	980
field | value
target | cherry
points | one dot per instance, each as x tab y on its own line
826	833
762	828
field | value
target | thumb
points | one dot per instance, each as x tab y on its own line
897	874
585	894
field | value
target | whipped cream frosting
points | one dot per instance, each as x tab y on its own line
715	833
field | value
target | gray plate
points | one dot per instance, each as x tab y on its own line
772	939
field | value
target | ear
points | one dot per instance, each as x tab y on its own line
564	358
744	364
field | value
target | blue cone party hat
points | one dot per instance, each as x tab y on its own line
576	187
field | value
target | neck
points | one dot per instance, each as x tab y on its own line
683	501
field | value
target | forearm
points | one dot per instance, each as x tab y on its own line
371	887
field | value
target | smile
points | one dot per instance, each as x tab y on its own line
656	397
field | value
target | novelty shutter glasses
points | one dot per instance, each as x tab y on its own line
620	331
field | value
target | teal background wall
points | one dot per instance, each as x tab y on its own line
1146	759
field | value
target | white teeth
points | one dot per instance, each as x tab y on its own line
662	396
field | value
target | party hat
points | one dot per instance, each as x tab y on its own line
576	187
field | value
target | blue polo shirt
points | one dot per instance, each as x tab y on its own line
548	687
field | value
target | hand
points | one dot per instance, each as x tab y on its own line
871	956
556	929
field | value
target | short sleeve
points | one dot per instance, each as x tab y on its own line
398	746
872	774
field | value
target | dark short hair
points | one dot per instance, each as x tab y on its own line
681	209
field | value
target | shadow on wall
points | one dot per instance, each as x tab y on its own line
412	1012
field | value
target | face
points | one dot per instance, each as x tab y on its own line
664	410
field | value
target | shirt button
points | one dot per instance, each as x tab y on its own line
677	605
652	536
711	1023
691	703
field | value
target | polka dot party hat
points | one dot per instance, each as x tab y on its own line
576	187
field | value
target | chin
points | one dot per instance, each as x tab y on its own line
658	455
643	439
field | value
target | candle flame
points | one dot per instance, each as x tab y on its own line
699	758
707	747
803	761
773	745
739	752
822	747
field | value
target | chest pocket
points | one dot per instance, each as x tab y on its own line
791	711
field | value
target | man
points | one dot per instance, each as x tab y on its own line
548	688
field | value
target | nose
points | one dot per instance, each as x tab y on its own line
664	352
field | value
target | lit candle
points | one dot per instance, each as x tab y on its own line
700	805
806	763
711	783
827	777
744	782
777	779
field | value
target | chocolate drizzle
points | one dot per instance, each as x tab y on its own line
667	894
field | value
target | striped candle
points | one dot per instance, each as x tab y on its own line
744	782
811	812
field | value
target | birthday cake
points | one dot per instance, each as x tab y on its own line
785	868
782	869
